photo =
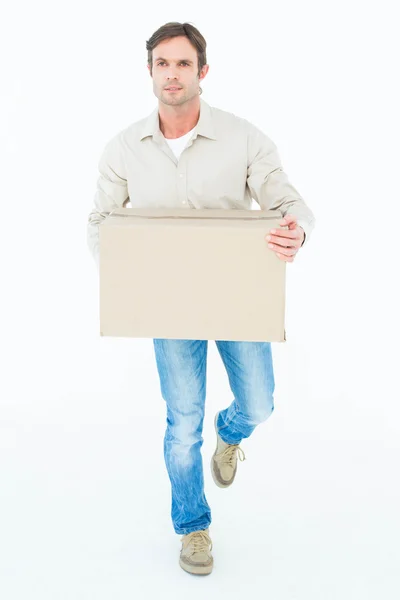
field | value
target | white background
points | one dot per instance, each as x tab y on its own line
84	493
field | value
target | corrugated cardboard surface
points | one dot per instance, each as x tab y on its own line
191	274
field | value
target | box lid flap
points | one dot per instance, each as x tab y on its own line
200	213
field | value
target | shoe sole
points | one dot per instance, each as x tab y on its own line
218	483
199	570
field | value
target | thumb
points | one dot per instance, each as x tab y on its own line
289	220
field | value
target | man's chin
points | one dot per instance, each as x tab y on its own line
169	99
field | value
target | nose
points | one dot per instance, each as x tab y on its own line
171	74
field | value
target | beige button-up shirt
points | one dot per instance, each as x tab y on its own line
226	163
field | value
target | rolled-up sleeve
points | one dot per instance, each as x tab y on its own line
268	183
111	192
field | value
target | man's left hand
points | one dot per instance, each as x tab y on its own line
286	242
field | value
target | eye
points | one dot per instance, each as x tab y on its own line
162	62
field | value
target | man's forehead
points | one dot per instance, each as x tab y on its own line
175	49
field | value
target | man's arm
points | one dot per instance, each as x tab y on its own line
111	192
269	184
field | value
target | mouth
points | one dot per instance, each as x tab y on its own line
172	89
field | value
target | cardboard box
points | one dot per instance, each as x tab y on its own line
204	274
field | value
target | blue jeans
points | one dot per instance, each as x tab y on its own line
181	366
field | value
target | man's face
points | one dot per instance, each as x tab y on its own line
175	65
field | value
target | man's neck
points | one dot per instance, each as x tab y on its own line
176	121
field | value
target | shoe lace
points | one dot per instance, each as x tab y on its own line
200	541
228	455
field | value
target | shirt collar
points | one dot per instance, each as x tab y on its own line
205	125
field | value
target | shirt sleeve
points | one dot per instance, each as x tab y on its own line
111	192
268	183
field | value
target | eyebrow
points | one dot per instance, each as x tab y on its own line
180	60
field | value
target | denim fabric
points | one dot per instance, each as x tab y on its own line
181	366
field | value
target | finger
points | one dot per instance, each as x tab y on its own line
282	250
288	219
284	242
287	233
285	258
292	226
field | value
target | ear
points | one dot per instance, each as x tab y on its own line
203	72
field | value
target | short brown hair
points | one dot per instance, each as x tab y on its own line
175	29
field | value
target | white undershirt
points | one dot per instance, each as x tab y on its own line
177	145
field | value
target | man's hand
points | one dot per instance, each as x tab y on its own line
286	242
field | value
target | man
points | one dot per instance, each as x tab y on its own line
189	154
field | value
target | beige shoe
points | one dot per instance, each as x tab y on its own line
196	557
224	460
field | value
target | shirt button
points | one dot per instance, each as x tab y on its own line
183	201
181	175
